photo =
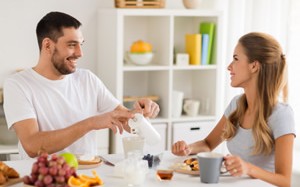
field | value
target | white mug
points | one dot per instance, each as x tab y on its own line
191	107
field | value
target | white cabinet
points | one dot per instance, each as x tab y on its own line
103	141
165	29
191	131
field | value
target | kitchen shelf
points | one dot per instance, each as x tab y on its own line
202	67
145	68
9	149
165	29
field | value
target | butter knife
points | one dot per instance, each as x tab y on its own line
105	161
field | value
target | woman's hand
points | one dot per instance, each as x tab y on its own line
181	148
235	165
150	108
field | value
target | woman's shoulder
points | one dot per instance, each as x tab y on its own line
281	121
282	109
234	101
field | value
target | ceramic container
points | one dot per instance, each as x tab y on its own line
140	58
192	4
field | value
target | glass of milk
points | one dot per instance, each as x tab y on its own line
133	143
135	169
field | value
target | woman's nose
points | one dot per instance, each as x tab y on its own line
229	66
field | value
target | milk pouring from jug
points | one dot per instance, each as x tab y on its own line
142	127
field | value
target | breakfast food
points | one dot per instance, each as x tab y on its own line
153	160
85	181
7	173
149	158
2	178
53	170
192	163
88	160
141	47
71	159
164	174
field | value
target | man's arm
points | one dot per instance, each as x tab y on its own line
33	140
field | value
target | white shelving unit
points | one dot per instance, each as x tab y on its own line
165	29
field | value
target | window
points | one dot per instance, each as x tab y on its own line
293	48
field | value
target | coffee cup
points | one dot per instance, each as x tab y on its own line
210	166
191	107
133	144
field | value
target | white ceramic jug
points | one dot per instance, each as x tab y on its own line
142	127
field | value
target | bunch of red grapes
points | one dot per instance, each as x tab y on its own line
50	171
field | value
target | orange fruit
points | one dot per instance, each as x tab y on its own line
100	181
85	181
140	47
88	180
76	182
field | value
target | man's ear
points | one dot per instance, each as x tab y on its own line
46	45
254	66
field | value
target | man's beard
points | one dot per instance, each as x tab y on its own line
60	65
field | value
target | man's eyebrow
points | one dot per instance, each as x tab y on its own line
75	41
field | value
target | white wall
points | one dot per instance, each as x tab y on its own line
18	19
270	16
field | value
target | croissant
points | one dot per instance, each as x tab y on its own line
2	178
8	172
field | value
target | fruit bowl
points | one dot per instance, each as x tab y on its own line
140	58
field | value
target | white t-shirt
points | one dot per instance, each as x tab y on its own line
57	104
281	122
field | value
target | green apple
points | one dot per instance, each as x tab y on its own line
70	159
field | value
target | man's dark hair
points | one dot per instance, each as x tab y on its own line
52	24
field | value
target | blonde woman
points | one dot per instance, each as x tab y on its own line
258	127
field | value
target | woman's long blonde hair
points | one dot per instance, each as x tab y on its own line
272	81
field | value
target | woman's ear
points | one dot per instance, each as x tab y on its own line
254	66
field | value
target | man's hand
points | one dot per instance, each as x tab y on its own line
150	109
115	120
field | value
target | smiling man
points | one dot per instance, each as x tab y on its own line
57	107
